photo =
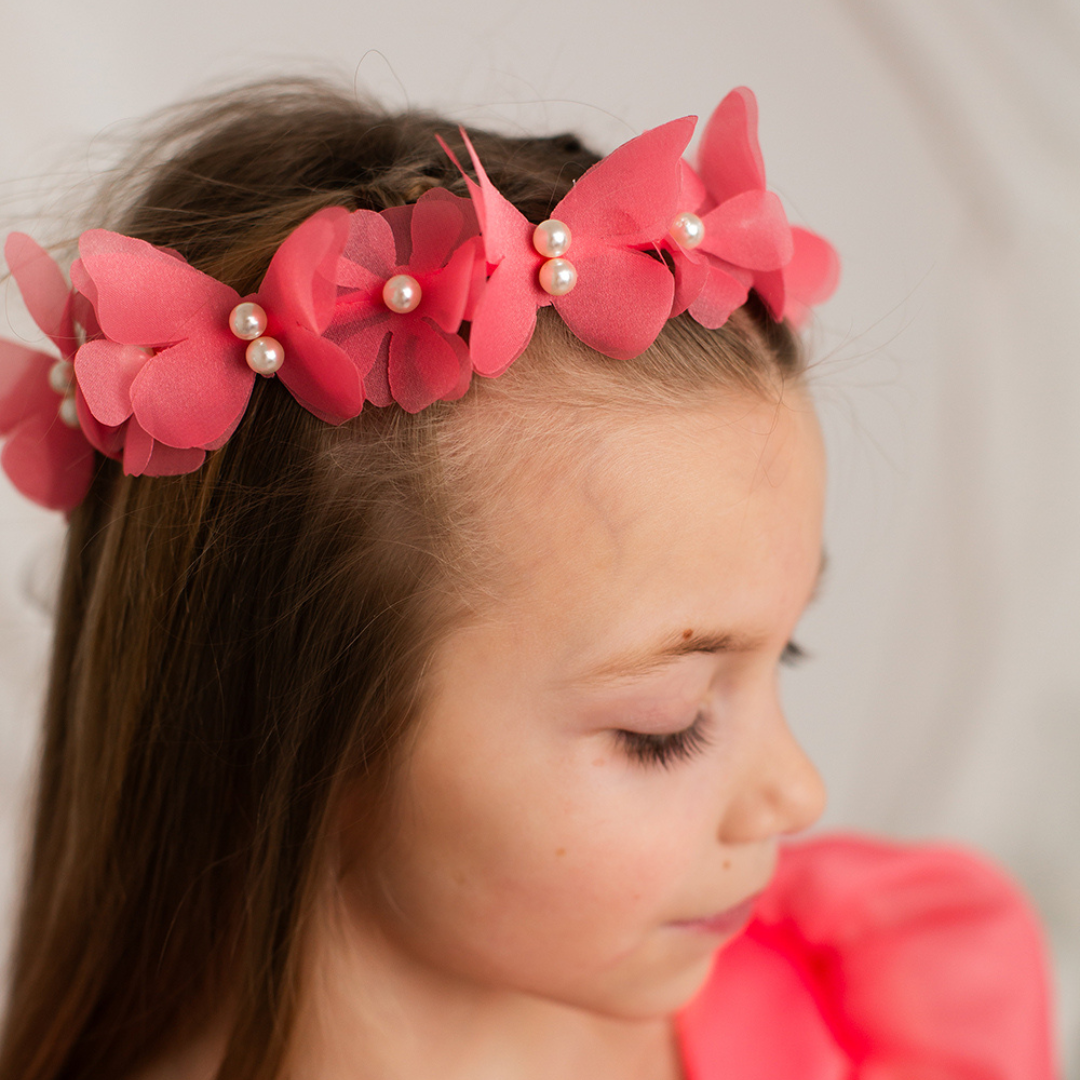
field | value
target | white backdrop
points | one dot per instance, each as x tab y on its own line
938	146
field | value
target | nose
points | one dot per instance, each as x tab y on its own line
779	790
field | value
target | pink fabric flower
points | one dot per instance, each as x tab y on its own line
47	460
129	442
748	242
619	209
868	960
413	357
169	359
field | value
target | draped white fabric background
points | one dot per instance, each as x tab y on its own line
938	145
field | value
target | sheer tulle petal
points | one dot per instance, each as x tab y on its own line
465	376
138	446
692	193
371	243
225	436
729	158
365	343
82	311
85	290
49	462
377	379
441	222
424	366
146	296
505	229
447	294
720	295
369	259
399	218
769	285
109	440
169	461
105	371
749	230
690	274
44	290
620	303
300	284
24	384
811	276
631	196
362	291
320	375
504	320
477	279
190	394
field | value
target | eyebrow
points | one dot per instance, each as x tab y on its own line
638	663
644	662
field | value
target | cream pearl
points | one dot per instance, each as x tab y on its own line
247	321
61	376
558	277
402	294
551	238
688	230
265	355
69	413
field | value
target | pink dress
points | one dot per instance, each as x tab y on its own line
869	960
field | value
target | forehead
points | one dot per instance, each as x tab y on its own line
661	517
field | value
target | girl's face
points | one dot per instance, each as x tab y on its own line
604	764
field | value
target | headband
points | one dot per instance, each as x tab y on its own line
157	360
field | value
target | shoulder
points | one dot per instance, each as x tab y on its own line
881	958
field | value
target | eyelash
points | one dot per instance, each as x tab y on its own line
648	748
664	750
793	654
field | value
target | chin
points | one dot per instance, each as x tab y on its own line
646	995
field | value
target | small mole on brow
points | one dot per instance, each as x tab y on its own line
560	851
727	864
687	634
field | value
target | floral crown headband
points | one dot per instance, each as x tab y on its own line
158	360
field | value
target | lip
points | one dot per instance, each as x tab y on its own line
724	924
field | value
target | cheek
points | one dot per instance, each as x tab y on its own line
572	863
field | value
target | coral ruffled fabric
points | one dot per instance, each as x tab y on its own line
873	961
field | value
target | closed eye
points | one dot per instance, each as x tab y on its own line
665	750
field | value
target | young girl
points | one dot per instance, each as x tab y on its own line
441	507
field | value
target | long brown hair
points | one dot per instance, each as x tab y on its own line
236	646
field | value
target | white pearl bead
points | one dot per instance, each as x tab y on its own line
551	238
247	321
688	230
61	375
558	277
265	355
402	294
69	414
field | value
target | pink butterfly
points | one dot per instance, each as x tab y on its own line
613	295
171	359
406	280
45	454
732	234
